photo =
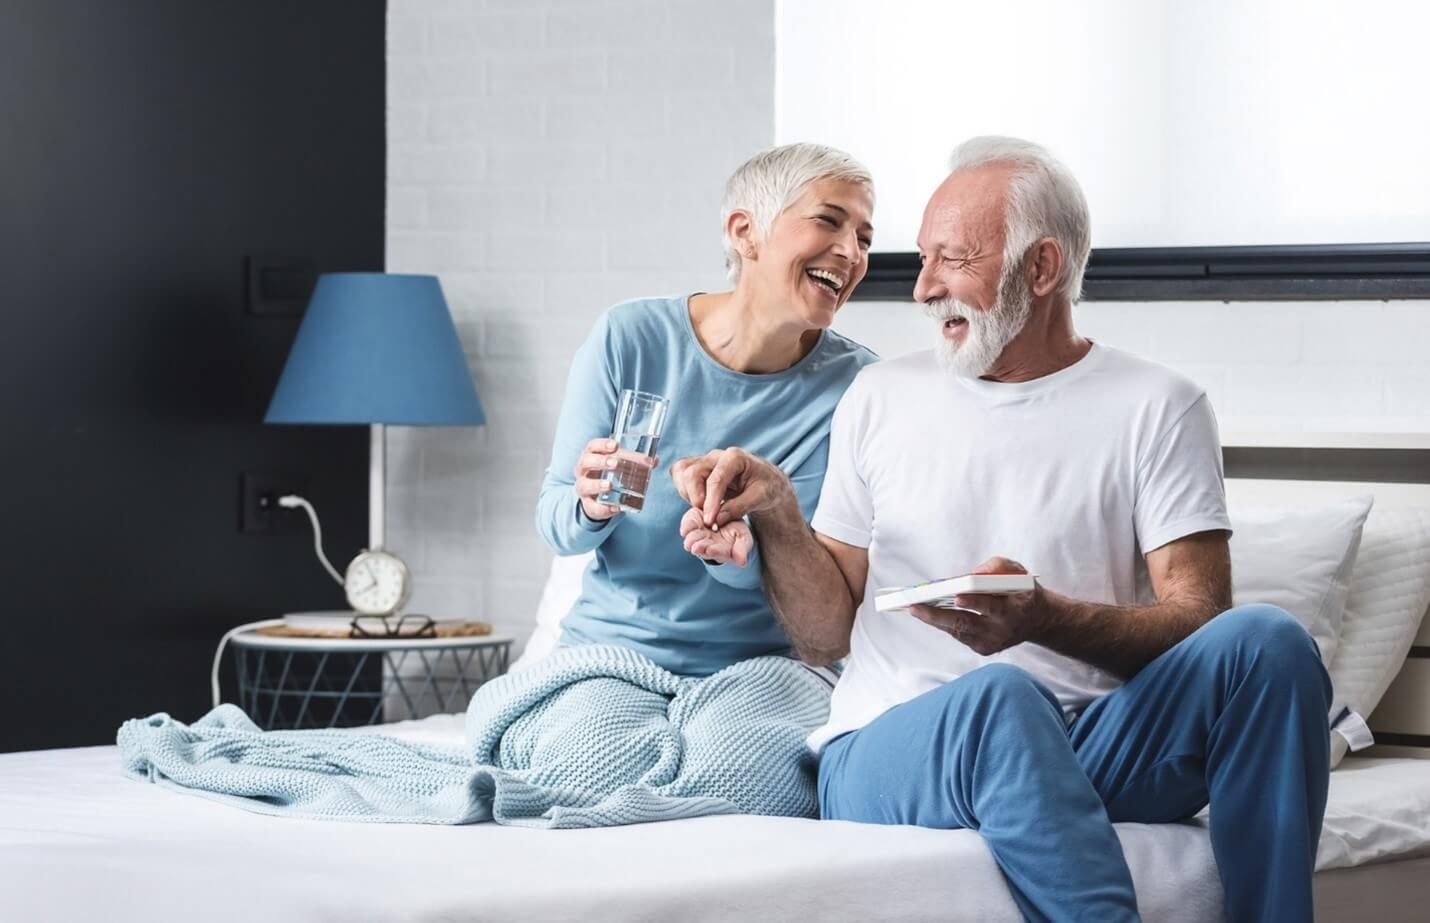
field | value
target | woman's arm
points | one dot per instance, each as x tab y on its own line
587	413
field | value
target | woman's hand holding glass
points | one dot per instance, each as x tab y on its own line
731	542
593	470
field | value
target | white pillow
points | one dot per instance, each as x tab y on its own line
1298	559
563	588
1389	595
1301	559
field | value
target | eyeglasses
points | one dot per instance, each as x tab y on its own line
383	626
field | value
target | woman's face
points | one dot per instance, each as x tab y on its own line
817	250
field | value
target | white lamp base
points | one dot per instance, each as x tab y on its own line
377	488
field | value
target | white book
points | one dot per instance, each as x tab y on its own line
940	593
332	620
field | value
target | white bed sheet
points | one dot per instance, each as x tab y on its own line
79	840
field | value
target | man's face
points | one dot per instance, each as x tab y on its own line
979	307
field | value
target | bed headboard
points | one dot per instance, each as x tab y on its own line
1273	469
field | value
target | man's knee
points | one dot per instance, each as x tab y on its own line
1279	643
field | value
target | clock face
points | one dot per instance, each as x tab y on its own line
377	583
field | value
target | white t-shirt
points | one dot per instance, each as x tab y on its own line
1075	475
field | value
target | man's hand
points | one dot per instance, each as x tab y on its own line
1190	576
728	484
988	624
730	542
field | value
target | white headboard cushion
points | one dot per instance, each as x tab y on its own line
1385	617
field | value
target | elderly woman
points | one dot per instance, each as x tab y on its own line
626	725
756	367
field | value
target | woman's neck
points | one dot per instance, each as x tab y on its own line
738	334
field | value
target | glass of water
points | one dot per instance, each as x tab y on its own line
640	418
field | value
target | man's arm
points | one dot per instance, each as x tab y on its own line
814	582
1191	578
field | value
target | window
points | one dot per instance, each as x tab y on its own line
1292	133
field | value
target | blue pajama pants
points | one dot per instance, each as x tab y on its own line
1235	715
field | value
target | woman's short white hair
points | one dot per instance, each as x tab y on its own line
1044	200
773	179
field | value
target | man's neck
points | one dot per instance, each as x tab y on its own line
1046	344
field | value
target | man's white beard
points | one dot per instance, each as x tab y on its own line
988	332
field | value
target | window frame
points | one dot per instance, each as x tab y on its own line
1297	272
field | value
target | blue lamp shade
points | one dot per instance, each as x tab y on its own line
377	348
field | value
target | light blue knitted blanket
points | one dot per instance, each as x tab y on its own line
591	736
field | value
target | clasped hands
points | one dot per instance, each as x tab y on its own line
722	487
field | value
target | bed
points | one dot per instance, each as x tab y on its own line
78	840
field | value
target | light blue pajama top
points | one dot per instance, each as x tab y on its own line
645	591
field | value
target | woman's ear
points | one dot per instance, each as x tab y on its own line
741	230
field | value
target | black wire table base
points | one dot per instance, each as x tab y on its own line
289	689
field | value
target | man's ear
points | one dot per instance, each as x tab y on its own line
1045	267
740	228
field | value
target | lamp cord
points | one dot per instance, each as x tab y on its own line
291	500
287	502
218	655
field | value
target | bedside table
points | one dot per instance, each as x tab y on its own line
289	683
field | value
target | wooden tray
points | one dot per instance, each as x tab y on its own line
448	629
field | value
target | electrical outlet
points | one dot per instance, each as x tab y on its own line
259	512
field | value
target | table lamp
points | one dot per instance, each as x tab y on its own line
376	349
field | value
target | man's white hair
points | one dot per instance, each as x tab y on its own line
1044	200
773	179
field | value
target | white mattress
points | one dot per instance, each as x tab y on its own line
79	840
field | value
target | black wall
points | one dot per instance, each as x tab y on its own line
146	148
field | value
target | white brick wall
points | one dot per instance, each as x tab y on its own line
547	158
1345	366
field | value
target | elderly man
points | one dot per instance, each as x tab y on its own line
1114	691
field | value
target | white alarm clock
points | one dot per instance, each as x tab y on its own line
377	583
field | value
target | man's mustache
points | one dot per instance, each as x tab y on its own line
945	309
